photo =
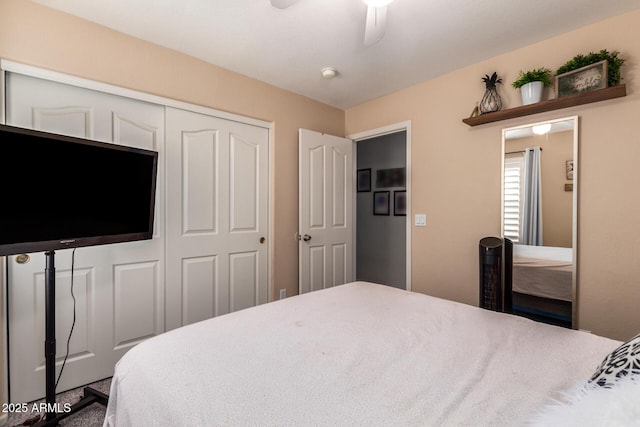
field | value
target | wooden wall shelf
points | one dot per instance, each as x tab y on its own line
549	105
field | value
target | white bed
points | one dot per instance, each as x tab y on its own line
355	354
543	271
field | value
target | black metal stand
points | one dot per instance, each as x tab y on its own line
90	395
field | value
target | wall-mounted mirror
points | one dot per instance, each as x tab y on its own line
539	215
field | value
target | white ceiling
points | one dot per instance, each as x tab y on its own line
288	48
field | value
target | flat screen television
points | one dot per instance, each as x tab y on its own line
63	192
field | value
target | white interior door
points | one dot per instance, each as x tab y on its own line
325	210
217	203
119	288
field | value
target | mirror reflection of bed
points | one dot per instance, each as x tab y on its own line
539	216
542	283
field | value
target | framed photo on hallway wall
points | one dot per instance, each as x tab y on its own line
381	202
400	203
364	180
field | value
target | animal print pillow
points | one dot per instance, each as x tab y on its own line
623	361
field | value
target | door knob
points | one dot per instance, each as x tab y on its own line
306	237
262	239
22	258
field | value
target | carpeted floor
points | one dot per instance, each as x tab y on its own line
91	416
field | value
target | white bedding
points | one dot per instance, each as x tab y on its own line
356	354
543	271
552	253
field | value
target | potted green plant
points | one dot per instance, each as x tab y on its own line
531	84
613	64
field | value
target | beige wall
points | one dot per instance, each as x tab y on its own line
456	174
36	35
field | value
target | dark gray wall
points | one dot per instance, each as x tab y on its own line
381	240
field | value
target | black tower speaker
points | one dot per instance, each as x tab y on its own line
496	258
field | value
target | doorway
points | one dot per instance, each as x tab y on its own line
382	206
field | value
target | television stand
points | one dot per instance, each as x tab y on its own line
91	396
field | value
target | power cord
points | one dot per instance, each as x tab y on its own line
73	324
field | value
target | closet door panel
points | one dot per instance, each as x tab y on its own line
217	200
119	288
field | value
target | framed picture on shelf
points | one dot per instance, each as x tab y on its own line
400	203
364	180
381	203
585	79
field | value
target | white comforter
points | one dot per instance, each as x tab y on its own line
356	354
543	278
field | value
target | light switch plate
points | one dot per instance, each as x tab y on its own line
421	220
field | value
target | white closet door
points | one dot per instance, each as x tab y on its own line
119	288
217	199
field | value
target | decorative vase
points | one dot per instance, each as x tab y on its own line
531	93
490	102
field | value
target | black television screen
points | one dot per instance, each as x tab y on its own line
64	192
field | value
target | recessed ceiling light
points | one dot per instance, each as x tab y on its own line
329	72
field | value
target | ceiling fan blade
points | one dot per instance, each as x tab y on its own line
375	24
282	4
